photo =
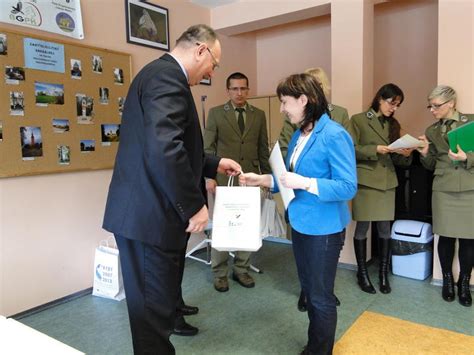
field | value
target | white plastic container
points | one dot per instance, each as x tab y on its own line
415	266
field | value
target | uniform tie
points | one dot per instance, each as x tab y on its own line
240	119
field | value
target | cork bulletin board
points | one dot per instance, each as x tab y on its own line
60	105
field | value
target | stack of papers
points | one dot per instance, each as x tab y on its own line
406	142
278	168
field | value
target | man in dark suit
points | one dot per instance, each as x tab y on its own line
157	193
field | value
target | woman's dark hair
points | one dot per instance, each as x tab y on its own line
389	91
305	84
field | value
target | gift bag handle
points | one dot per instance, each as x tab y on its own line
108	242
230	182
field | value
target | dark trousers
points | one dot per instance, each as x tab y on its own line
152	279
316	260
179	317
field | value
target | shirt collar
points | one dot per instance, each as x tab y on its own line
454	117
234	107
181	65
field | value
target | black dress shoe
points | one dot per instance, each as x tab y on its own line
188	310
302	302
185	329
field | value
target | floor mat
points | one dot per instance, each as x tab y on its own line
374	333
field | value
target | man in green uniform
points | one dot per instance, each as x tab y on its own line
239	131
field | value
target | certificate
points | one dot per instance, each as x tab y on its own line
406	142
278	168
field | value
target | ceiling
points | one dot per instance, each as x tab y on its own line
213	3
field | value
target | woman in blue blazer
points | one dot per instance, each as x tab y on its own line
322	172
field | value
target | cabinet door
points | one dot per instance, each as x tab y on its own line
276	120
263	103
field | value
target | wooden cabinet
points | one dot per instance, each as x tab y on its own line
271	106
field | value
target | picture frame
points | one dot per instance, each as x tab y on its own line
147	24
205	81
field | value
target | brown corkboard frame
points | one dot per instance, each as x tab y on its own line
18	147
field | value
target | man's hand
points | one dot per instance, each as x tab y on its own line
459	156
229	167
198	222
211	186
294	181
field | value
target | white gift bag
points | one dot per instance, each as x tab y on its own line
108	280
236	219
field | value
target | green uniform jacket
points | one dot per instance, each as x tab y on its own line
448	176
338	114
374	170
222	137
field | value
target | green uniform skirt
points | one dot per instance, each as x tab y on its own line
453	214
373	205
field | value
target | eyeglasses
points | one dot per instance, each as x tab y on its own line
391	103
237	89
436	106
215	65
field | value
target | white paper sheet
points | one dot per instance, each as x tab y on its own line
278	167
406	141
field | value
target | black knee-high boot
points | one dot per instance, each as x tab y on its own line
384	284
464	293
360	248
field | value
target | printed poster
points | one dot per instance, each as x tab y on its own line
62	17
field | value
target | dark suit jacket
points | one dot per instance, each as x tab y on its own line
158	179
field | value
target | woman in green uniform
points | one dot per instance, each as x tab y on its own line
372	132
453	192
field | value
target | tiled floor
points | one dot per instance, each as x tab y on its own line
262	320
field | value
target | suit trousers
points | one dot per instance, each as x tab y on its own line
220	259
152	278
316	259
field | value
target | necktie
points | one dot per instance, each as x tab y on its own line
240	119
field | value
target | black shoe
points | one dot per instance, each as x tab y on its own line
448	287
464	293
302	302
185	329
188	310
338	303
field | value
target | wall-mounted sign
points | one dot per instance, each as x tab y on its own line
63	17
42	55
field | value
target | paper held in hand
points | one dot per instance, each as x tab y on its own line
278	168
406	142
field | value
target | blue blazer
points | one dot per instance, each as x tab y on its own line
329	157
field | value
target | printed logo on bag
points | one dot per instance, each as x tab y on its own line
236	222
104	273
